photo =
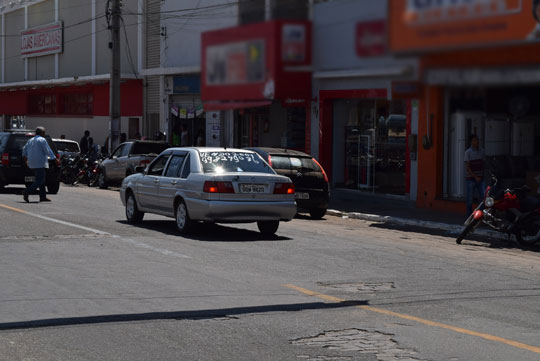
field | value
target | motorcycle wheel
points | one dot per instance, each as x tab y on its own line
468	228
525	238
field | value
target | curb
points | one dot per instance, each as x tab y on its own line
454	229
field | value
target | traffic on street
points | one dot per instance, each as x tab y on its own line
81	283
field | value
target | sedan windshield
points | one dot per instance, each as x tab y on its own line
226	162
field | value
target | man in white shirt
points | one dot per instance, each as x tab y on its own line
36	153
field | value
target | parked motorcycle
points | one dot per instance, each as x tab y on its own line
70	168
509	211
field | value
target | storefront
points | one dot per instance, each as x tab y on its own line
365	101
480	74
71	107
187	120
257	77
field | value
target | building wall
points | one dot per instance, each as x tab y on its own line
78	54
73	128
76	59
14	66
182	44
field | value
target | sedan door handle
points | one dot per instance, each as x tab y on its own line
156	180
174	182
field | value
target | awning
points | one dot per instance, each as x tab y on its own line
235	105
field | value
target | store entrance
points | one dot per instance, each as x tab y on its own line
507	123
373	137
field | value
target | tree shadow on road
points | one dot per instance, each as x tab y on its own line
177	315
209	232
477	240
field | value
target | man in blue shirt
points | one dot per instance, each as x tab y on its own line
36	153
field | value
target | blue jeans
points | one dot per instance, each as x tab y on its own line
39	183
473	185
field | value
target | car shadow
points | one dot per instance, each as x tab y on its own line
209	232
477	240
308	217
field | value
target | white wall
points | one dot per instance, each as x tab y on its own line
182	44
73	128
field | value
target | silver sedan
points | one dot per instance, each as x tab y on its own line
219	185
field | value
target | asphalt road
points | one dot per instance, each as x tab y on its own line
78	283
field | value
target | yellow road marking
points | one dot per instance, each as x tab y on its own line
485	336
13	209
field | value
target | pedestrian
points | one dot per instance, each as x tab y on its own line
474	171
63	136
84	142
184	136
93	150
36	154
123	138
200	138
138	136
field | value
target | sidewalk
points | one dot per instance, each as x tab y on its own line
378	208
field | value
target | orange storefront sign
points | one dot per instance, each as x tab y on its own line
438	24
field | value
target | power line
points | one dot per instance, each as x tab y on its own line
130	59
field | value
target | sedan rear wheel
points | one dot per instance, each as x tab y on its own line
183	222
133	215
268	227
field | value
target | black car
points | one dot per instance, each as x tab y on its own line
13	169
309	178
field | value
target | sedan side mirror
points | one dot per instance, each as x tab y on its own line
140	169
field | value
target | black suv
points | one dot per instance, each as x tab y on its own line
13	169
309	178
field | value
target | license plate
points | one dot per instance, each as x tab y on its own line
251	188
302	195
29	179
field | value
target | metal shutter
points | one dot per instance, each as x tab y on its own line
153	33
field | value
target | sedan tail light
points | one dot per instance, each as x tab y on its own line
144	163
218	187
284	188
5	159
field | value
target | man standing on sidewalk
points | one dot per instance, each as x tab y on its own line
36	154
474	170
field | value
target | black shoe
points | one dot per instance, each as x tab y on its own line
25	196
44	200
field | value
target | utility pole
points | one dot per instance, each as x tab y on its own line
114	91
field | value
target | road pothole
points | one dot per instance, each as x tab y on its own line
359	286
357	341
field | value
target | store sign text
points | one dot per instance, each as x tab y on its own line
435	11
236	63
43	40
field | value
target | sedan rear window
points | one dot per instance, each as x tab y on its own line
3	140
224	162
67	146
295	163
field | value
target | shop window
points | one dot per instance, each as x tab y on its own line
507	122
42	104
78	104
374	145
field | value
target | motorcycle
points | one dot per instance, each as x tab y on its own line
70	168
509	211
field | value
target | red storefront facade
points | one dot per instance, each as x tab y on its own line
259	74
78	106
